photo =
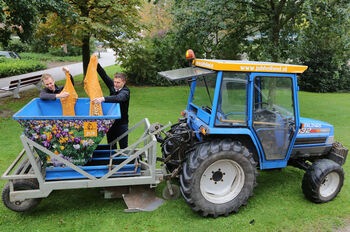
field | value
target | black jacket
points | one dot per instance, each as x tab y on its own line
46	94
122	96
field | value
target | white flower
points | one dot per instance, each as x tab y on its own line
76	146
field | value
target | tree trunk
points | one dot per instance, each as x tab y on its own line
86	53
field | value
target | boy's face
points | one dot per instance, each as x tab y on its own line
50	84
118	83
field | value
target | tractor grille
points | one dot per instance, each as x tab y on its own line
304	141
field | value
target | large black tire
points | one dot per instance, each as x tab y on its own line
20	206
218	177
323	181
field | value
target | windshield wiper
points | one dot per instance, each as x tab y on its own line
206	86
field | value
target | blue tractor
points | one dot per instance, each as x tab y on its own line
243	116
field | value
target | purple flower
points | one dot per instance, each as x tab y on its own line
44	136
46	143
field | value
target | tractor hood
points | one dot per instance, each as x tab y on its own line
315	128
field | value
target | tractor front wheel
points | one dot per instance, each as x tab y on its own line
218	178
323	181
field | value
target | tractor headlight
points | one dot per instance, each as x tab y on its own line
330	140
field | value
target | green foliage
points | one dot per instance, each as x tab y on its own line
324	47
311	32
17	46
110	20
215	26
11	67
142	60
21	16
48	57
40	45
71	51
324	73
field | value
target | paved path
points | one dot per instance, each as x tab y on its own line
106	59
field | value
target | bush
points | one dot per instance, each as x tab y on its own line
17	46
324	73
11	67
142	60
71	51
48	57
40	45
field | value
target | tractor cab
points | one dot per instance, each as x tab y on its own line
256	100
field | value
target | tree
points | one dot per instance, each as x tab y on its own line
272	25
215	25
324	46
21	16
156	18
116	21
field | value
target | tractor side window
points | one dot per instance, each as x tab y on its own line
204	93
274	94
233	100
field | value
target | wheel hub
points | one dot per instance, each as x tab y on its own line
222	181
329	184
217	176
18	202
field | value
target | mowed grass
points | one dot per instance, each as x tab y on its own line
278	203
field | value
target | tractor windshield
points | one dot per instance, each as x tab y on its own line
232	102
204	93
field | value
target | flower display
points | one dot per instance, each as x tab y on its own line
65	138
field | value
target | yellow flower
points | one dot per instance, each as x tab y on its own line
48	158
56	152
62	147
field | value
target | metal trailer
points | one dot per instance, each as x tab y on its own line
29	181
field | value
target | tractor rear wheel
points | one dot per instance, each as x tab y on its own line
20	206
218	177
323	181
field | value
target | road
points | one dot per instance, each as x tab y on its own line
106	59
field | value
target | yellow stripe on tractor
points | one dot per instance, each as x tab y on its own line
248	66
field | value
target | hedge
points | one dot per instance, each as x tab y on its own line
11	67
48	57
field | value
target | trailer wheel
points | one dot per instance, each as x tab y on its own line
20	206
323	181
218	178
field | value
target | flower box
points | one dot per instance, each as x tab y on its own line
73	138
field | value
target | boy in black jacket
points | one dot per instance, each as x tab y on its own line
119	93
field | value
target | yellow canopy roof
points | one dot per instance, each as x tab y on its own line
248	66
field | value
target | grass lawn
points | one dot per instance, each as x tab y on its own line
278	203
